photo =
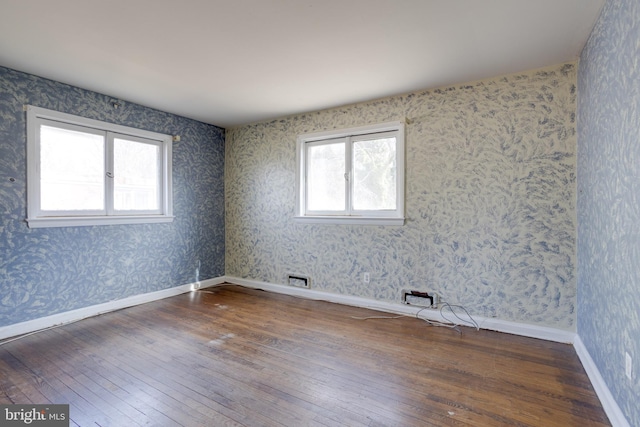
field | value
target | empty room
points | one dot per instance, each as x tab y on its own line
319	213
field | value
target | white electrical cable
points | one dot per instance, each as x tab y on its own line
471	322
447	324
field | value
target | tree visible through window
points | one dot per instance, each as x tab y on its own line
374	174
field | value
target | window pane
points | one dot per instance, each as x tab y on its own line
71	170
325	177
136	175
374	174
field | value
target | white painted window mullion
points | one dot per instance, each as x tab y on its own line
348	175
109	171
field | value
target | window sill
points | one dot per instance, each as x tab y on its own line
352	220
96	220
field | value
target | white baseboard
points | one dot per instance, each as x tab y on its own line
611	408
515	328
613	411
94	310
616	417
523	329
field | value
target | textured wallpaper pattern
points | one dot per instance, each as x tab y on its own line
50	270
609	200
490	201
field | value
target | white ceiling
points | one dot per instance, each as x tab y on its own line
232	62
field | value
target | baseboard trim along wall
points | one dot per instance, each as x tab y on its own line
94	310
533	331
616	417
609	404
515	328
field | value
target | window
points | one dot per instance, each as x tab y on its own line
85	172
352	176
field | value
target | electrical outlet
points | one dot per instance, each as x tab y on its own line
366	277
628	365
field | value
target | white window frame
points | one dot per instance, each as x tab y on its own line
38	218
350	216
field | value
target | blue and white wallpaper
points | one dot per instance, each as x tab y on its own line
50	270
490	201
609	200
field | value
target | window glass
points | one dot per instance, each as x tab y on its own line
71	170
325	177
351	176
136	175
374	174
85	172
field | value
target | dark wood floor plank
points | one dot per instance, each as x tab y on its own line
243	366
234	356
266	341
174	401
247	386
57	386
167	375
29	378
10	393
119	383
79	377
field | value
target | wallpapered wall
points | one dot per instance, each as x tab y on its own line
50	270
609	199
490	201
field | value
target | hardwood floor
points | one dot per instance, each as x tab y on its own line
233	356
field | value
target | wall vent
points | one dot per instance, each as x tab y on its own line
421	299
298	280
